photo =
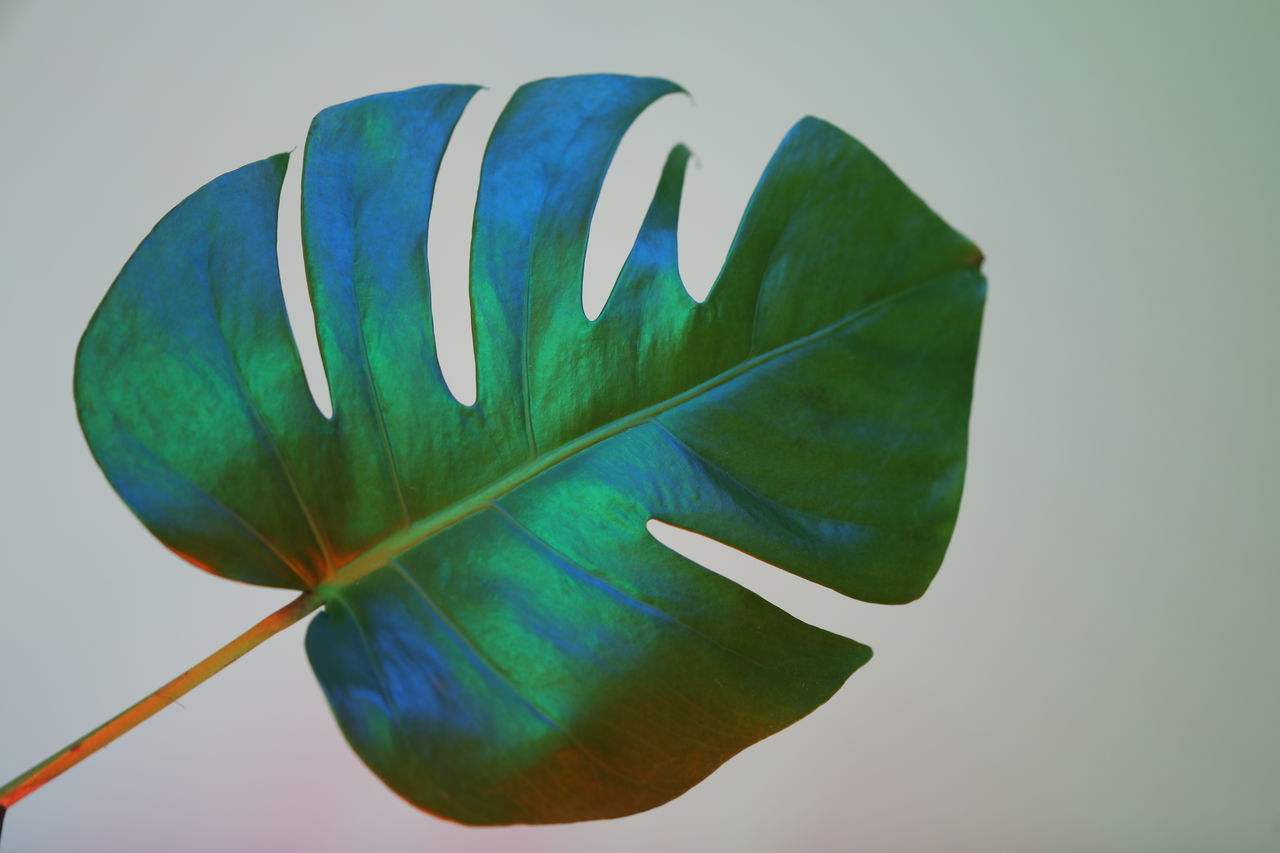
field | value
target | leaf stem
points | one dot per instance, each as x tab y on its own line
104	734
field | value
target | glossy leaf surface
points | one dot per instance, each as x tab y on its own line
503	641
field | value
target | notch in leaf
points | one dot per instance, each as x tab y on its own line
502	641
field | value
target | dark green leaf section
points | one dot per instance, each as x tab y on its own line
366	197
504	641
190	389
184	377
616	674
492	678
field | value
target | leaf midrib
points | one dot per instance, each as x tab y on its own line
403	540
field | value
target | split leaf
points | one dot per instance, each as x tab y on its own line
502	640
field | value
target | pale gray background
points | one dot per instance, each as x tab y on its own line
1094	669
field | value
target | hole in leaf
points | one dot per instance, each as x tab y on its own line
293	284
717	189
625	196
713	201
449	240
805	600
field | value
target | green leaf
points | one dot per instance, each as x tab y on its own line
502	640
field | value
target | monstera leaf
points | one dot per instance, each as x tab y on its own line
502	641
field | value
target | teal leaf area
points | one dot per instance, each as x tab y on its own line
502	640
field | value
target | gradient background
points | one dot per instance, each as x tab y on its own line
1095	667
